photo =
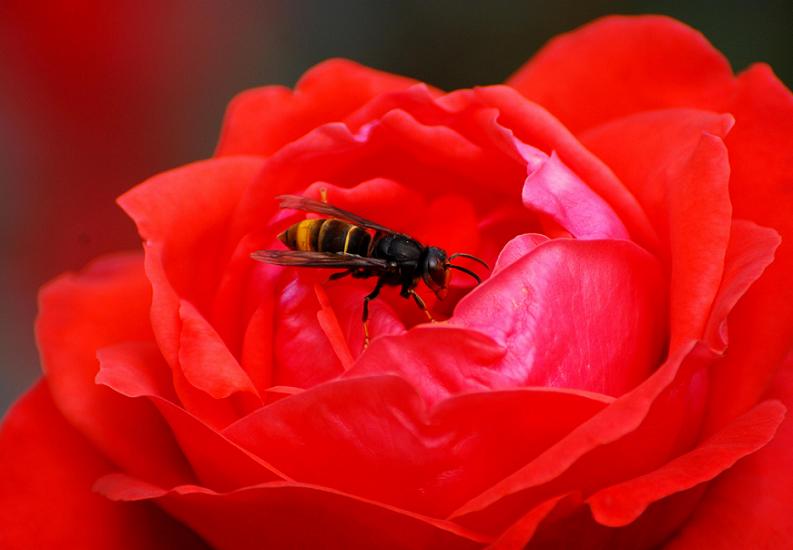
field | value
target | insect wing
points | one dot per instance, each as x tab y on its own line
296	202
317	259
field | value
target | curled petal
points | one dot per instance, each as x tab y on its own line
555	190
750	251
532	124
517	248
205	360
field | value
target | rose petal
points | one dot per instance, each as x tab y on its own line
761	157
700	228
205	360
249	322
302	355
750	505
643	164
516	249
183	216
681	177
587	77
460	112
262	120
346	299
105	304
621	504
445	212
573	314
371	436
449	159
500	226
554	189
638	432
419	100
132	371
330	326
290	514
45	489
569	522
441	148
374	199
433	160
438	360
534	125
749	252
441	361
522	531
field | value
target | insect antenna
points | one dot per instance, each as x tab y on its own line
466	271
470	257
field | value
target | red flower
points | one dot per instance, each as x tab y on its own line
619	380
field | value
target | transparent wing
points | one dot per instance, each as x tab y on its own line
317	259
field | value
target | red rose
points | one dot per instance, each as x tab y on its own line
619	380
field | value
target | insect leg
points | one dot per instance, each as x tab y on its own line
421	304
340	275
371	296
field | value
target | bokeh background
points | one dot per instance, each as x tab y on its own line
96	96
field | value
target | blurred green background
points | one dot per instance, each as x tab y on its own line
98	95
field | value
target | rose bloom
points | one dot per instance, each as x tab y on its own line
619	380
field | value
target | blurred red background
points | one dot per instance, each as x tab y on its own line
97	96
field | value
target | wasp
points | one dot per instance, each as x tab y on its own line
364	249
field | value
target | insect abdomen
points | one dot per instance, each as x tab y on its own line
327	235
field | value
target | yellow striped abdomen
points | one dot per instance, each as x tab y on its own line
327	235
